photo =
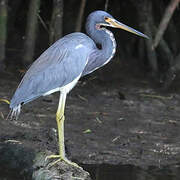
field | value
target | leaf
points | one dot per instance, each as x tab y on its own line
87	131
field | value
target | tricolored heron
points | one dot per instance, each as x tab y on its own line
61	66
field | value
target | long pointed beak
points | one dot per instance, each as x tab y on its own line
116	24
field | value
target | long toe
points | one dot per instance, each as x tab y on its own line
52	157
71	163
61	159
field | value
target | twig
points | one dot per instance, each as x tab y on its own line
116	138
156	96
106	5
12	141
164	22
98	120
43	23
2	115
82	98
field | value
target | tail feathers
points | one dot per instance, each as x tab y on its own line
14	112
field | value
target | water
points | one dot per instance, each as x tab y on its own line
119	172
130	172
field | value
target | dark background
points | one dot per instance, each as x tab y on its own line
116	115
132	53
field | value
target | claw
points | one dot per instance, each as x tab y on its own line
61	159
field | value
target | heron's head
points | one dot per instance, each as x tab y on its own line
102	19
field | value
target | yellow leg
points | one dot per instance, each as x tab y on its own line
60	124
4	100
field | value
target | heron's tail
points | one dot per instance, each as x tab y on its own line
14	112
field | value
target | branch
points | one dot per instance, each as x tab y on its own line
106	5
164	22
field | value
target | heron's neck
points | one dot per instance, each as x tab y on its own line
108	46
106	40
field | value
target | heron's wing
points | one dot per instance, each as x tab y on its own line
56	67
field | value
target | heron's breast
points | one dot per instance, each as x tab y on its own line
64	89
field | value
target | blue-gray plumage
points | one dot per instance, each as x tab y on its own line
60	67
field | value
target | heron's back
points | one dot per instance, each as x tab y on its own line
58	66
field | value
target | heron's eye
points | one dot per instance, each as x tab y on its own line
106	18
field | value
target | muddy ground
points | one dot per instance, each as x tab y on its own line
115	119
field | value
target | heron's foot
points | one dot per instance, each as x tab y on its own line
60	158
5	100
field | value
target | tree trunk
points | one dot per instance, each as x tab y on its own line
80	16
13	7
144	10
56	26
3	31
31	28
